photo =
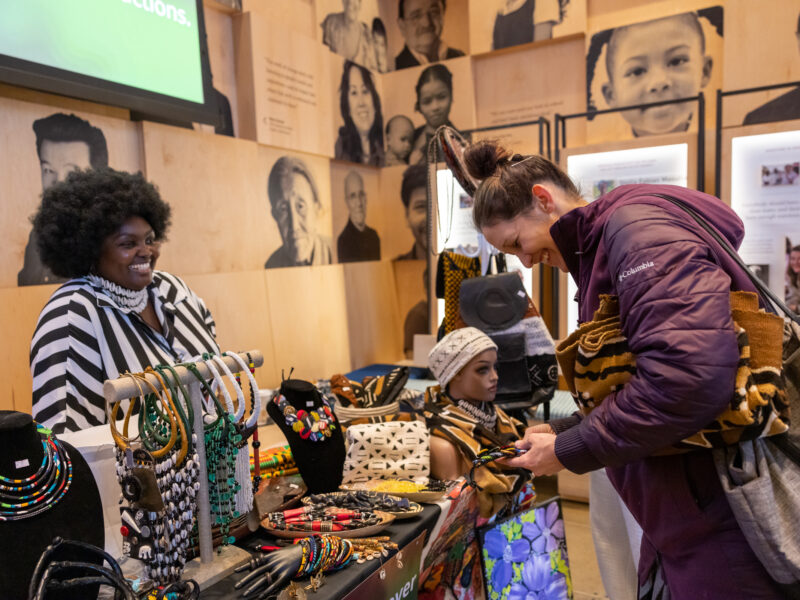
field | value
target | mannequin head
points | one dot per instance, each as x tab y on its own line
464	362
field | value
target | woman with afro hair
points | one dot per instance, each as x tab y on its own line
103	230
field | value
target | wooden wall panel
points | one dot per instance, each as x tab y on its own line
296	15
219	28
376	209
320	170
218	206
483	14
397	237
285	89
373	318
20	172
411	291
521	86
308	312
761	48
522	140
612	127
238	302
19	311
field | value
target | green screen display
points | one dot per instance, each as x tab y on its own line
147	44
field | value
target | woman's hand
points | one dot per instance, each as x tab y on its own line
540	458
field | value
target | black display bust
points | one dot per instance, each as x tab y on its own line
77	516
320	463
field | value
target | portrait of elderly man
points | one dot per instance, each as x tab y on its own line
295	205
64	143
358	241
421	23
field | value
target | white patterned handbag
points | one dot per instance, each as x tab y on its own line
391	450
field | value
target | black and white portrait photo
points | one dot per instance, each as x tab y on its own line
414	196
421	24
360	136
437	95
64	143
353	191
355	31
668	58
497	24
786	106
297	208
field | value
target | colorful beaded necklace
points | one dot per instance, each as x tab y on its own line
33	495
314	425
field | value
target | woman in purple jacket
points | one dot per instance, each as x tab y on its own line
674	304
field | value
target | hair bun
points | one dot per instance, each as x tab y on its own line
482	158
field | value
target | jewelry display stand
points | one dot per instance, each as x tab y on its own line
210	567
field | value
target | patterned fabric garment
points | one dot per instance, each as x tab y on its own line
451	270
446	420
83	338
596	361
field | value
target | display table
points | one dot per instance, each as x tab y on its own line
339	584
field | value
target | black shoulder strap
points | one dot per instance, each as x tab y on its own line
765	292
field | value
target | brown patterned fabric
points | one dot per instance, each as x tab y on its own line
596	361
498	484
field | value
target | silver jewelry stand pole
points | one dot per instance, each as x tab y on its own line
124	388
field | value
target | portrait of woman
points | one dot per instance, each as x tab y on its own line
360	139
102	230
434	100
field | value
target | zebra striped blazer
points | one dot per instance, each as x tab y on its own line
83	338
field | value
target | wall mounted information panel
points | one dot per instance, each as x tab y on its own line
597	173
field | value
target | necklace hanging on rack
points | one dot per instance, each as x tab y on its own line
33	495
315	425
222	438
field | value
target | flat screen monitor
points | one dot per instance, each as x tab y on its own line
149	56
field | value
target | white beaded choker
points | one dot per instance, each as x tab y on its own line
486	418
132	300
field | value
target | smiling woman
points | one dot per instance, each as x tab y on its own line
103	229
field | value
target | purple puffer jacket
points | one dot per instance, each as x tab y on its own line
673	282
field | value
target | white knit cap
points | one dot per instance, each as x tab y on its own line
455	350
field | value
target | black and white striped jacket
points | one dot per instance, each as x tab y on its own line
83	338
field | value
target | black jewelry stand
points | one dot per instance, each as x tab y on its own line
78	515
320	463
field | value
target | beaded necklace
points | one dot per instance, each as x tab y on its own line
315	425
487	418
221	438
33	495
132	300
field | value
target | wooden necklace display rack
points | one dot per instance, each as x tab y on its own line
190	425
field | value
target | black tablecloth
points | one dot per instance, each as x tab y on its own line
338	584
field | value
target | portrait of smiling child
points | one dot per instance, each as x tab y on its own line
653	61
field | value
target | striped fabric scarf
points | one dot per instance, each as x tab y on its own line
597	361
446	420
